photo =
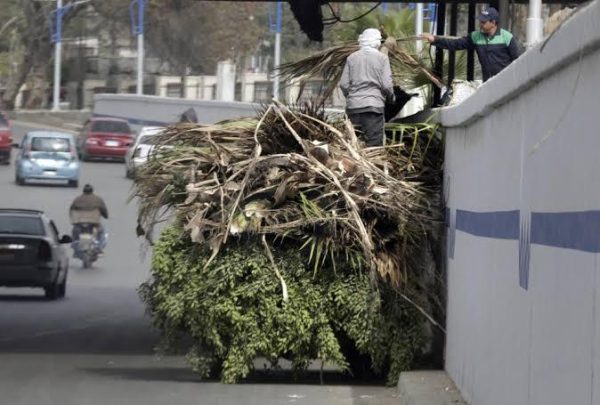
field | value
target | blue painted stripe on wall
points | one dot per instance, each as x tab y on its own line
136	121
498	224
524	249
571	230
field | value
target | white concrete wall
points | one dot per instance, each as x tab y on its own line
247	80
225	81
522	184
153	110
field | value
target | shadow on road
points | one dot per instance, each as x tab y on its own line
22	298
257	377
87	321
171	374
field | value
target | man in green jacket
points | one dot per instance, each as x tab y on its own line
496	48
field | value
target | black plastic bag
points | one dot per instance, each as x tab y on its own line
401	97
189	115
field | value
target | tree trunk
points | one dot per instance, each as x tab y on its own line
14	84
183	82
35	36
38	96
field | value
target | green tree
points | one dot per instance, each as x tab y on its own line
32	51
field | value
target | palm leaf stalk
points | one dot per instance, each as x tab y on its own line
407	70
293	175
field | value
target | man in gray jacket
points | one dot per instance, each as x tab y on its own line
366	83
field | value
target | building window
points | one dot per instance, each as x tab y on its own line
263	92
173	89
314	89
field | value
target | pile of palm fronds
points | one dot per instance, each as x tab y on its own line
407	70
294	175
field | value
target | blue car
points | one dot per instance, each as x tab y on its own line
47	155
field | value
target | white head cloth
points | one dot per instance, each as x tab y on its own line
371	37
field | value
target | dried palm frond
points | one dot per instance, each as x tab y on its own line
329	64
295	176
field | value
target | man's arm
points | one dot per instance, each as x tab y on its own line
450	44
345	80
387	84
74	204
514	49
103	209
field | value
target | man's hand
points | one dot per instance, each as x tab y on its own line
428	37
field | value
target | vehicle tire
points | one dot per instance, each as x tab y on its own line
19	180
87	261
62	288
52	291
73	183
83	156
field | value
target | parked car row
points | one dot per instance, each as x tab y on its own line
53	155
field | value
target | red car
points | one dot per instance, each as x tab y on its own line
105	138
5	139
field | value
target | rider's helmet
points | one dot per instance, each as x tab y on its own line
88	189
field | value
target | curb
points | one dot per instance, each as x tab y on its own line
433	387
38	125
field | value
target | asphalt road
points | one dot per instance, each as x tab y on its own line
97	346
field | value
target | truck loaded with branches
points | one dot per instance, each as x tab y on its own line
288	239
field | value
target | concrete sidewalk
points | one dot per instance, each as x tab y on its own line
69	120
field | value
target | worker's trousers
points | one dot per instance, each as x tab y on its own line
369	125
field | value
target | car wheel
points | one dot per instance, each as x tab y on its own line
73	183
52	291
19	180
62	288
87	260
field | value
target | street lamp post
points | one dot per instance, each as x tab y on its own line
137	26
419	26
277	60
535	24
57	38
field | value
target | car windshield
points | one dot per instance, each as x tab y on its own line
148	140
111	126
22	225
39	144
62	156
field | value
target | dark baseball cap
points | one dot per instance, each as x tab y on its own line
489	14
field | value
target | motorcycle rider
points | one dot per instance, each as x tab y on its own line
88	208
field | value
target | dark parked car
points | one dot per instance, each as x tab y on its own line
5	139
32	252
105	138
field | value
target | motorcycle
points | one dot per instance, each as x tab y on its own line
87	245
